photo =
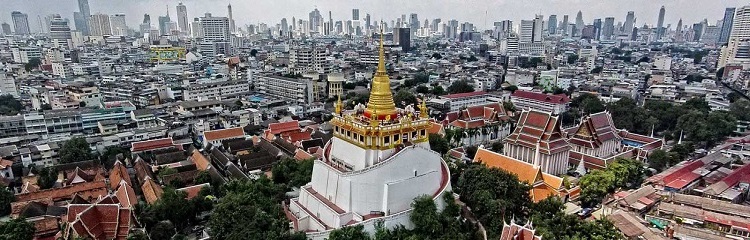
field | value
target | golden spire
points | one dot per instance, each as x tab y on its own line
338	105
381	98
423	109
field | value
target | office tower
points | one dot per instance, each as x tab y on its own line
118	24
99	25
314	20
627	27
59	31
20	23
697	31
294	23
608	29
467	27
741	24
85	14
597	29
196	28
231	19
413	22
531	30
579	23
503	29
552	24
164	22
6	29
564	25
402	37
355	14
284	27
726	25
660	24
435	26
367	23
182	17
146	25
81	23
215	28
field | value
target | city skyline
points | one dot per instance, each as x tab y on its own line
269	12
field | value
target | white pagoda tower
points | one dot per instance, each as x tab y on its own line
378	161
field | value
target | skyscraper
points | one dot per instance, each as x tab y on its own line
99	25
531	30
215	29
284	27
741	24
579	23
413	23
118	24
726	25
314	20
564	25
146	25
60	32
231	19
597	29
82	24
660	24
20	23
627	27
608	29
164	22
552	24
182	18
355	14
367	23
6	29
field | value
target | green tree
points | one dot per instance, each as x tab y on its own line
9	105
422	89
740	109
437	90
349	232
17	229
403	98
32	64
660	159
75	150
250	209
138	235
6	197
47	177
292	172
439	143
494	196
511	88
627	115
461	86
110	153
254	52
174	207
572	58
163	230
472	58
203	177
597	70
589	103
595	186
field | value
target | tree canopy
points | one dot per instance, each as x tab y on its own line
9	105
75	150
6	197
461	86
292	172
17	229
438	143
623	173
403	98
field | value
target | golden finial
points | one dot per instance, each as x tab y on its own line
338	105
423	109
381	97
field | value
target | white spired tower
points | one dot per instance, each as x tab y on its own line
378	161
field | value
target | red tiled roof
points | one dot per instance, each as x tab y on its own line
126	195
151	145
222	134
101	221
90	190
193	191
151	191
118	172
277	128
559	98
296	136
463	95
200	161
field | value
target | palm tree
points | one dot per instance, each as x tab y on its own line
449	136
472	132
458	135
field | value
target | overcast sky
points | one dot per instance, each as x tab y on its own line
480	12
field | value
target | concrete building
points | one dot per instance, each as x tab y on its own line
118	25
726	25
24	54
99	25
555	104
182	18
303	59
60	32
216	90
741	24
20	23
8	85
215	28
297	90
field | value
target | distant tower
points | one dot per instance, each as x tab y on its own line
564	25
552	24
726	25
579	23
20	23
627	27
182	18
660	24
231	19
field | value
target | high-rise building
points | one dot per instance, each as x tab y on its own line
564	26
367	23
146	25
741	24
82	24
284	27
20	23
99	25
413	23
660	24
231	19
608	29
164	22
698	31
627	27
315	20
726	25
402	37
182	18
355	14
6	29
531	30
579	23
215	29
118	24
503	29
60	32
196	28
552	24
597	29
